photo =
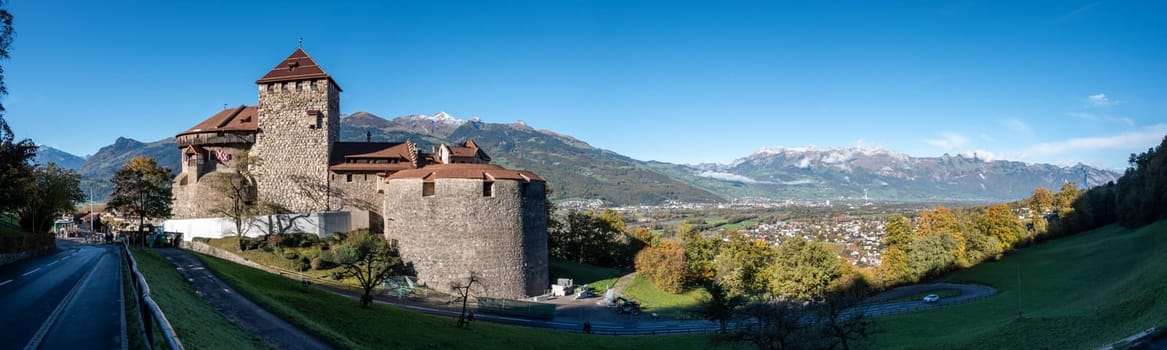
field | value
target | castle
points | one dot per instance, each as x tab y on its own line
450	212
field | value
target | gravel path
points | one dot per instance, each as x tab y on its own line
272	330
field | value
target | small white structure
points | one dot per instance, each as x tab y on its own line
321	224
563	287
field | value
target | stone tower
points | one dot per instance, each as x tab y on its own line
449	220
299	121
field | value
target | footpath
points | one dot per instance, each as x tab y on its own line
275	332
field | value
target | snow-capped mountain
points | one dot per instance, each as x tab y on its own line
809	172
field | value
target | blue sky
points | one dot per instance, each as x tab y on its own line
1059	82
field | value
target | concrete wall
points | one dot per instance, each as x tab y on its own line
503	238
293	148
321	224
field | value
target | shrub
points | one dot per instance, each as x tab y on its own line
320	264
300	265
664	265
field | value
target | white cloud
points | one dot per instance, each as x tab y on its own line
948	141
1127	121
1101	100
1131	140
729	177
1018	126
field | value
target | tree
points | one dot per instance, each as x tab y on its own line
840	318
16	172
1042	201
896	239
464	291
664	265
941	220
741	265
930	255
999	222
142	188
700	252
237	194
596	239
897	231
54	191
368	258
721	305
803	269
779	324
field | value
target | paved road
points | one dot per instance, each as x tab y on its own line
71	299
274	331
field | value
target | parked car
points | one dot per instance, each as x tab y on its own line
931	298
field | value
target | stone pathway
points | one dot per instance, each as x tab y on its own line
272	330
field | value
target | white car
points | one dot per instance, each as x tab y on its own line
931	298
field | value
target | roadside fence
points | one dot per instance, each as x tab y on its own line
148	311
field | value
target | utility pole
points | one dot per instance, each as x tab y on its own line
1019	289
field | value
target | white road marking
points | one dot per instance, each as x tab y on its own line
30	272
5	282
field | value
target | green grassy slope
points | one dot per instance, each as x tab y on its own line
342	322
1079	292
198	324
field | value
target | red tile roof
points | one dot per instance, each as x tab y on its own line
465	171
367	150
298	66
242	118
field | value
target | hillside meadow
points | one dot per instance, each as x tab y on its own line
1078	292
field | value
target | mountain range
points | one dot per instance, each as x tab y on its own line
577	171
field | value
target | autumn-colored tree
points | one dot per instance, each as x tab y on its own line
999	222
897	232
1064	200
942	220
893	269
645	235
741	264
664	265
803	270
142	189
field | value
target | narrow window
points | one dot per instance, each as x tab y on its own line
488	188
298	88
348	178
312	85
427	189
271	87
284	87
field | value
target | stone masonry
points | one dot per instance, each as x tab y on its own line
458	230
294	141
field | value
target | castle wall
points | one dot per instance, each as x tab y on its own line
193	189
294	144
457	230
362	197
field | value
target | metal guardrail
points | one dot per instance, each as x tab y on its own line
921	306
148	310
